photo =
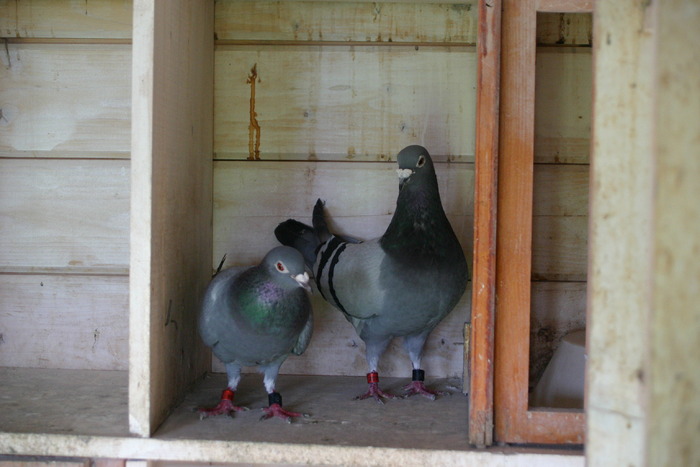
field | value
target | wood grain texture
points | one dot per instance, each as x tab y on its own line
65	98
171	202
674	399
345	103
515	246
485	214
64	321
620	245
60	19
565	6
514	242
67	216
390	22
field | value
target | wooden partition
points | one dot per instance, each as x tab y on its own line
171	203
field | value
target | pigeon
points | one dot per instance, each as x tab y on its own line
401	284
257	317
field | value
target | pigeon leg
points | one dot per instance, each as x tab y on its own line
414	346
374	390
417	386
275	409
226	405
273	397
373	350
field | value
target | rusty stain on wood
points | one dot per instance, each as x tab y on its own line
254	126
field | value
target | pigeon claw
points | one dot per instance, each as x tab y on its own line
417	387
276	410
224	407
376	393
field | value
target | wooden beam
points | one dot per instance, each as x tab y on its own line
485	188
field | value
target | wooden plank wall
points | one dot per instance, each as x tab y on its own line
340	88
64	184
335	100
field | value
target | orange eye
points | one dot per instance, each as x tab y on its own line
280	266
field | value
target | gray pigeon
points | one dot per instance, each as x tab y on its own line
257	318
399	285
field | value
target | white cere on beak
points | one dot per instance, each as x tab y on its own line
303	280
404	173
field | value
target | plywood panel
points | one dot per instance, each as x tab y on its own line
65	19
64	321
65	99
450	22
64	215
345	103
171	202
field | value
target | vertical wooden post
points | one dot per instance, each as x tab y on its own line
643	397
171	202
485	186
674	374
619	239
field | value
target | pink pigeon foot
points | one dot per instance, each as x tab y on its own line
418	387
374	391
224	407
276	410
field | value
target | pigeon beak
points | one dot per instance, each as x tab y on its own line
303	281
404	175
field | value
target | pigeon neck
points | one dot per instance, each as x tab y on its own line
419	223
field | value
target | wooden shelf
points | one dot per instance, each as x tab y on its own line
84	413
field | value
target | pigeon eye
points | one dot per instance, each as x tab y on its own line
421	161
281	267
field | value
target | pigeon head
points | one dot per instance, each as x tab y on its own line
286	266
414	164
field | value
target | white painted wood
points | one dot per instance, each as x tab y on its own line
171	202
620	244
674	379
64	321
65	98
68	216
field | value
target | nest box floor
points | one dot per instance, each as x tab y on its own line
80	402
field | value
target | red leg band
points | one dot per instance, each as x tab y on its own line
227	394
372	377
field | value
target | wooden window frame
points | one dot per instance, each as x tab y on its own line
504	162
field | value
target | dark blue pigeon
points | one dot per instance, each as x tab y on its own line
401	284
